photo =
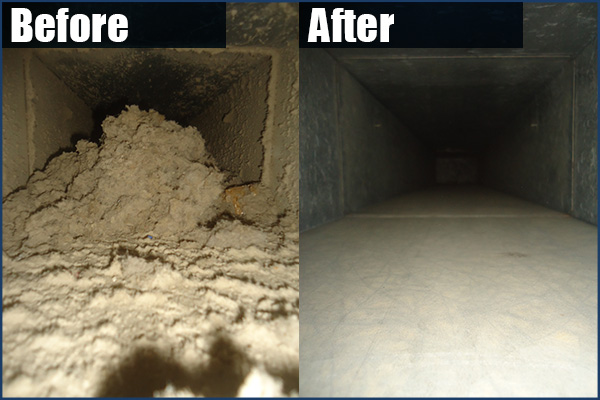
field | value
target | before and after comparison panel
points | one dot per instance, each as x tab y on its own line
314	199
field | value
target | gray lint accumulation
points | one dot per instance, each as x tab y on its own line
129	269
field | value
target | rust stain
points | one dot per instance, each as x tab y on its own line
234	194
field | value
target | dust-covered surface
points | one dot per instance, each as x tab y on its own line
454	292
130	269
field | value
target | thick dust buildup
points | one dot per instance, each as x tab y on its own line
129	269
149	177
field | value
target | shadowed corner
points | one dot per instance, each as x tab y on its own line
145	371
140	374
290	376
225	372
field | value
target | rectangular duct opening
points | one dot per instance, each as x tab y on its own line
70	92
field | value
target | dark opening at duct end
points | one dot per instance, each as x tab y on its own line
222	94
455	165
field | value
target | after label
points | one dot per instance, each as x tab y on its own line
347	27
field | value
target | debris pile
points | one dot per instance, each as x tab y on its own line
136	246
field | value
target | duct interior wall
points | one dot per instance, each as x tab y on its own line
321	179
34	128
241	108
380	122
354	151
381	157
548	153
532	158
585	136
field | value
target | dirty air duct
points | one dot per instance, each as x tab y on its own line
223	93
148	248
